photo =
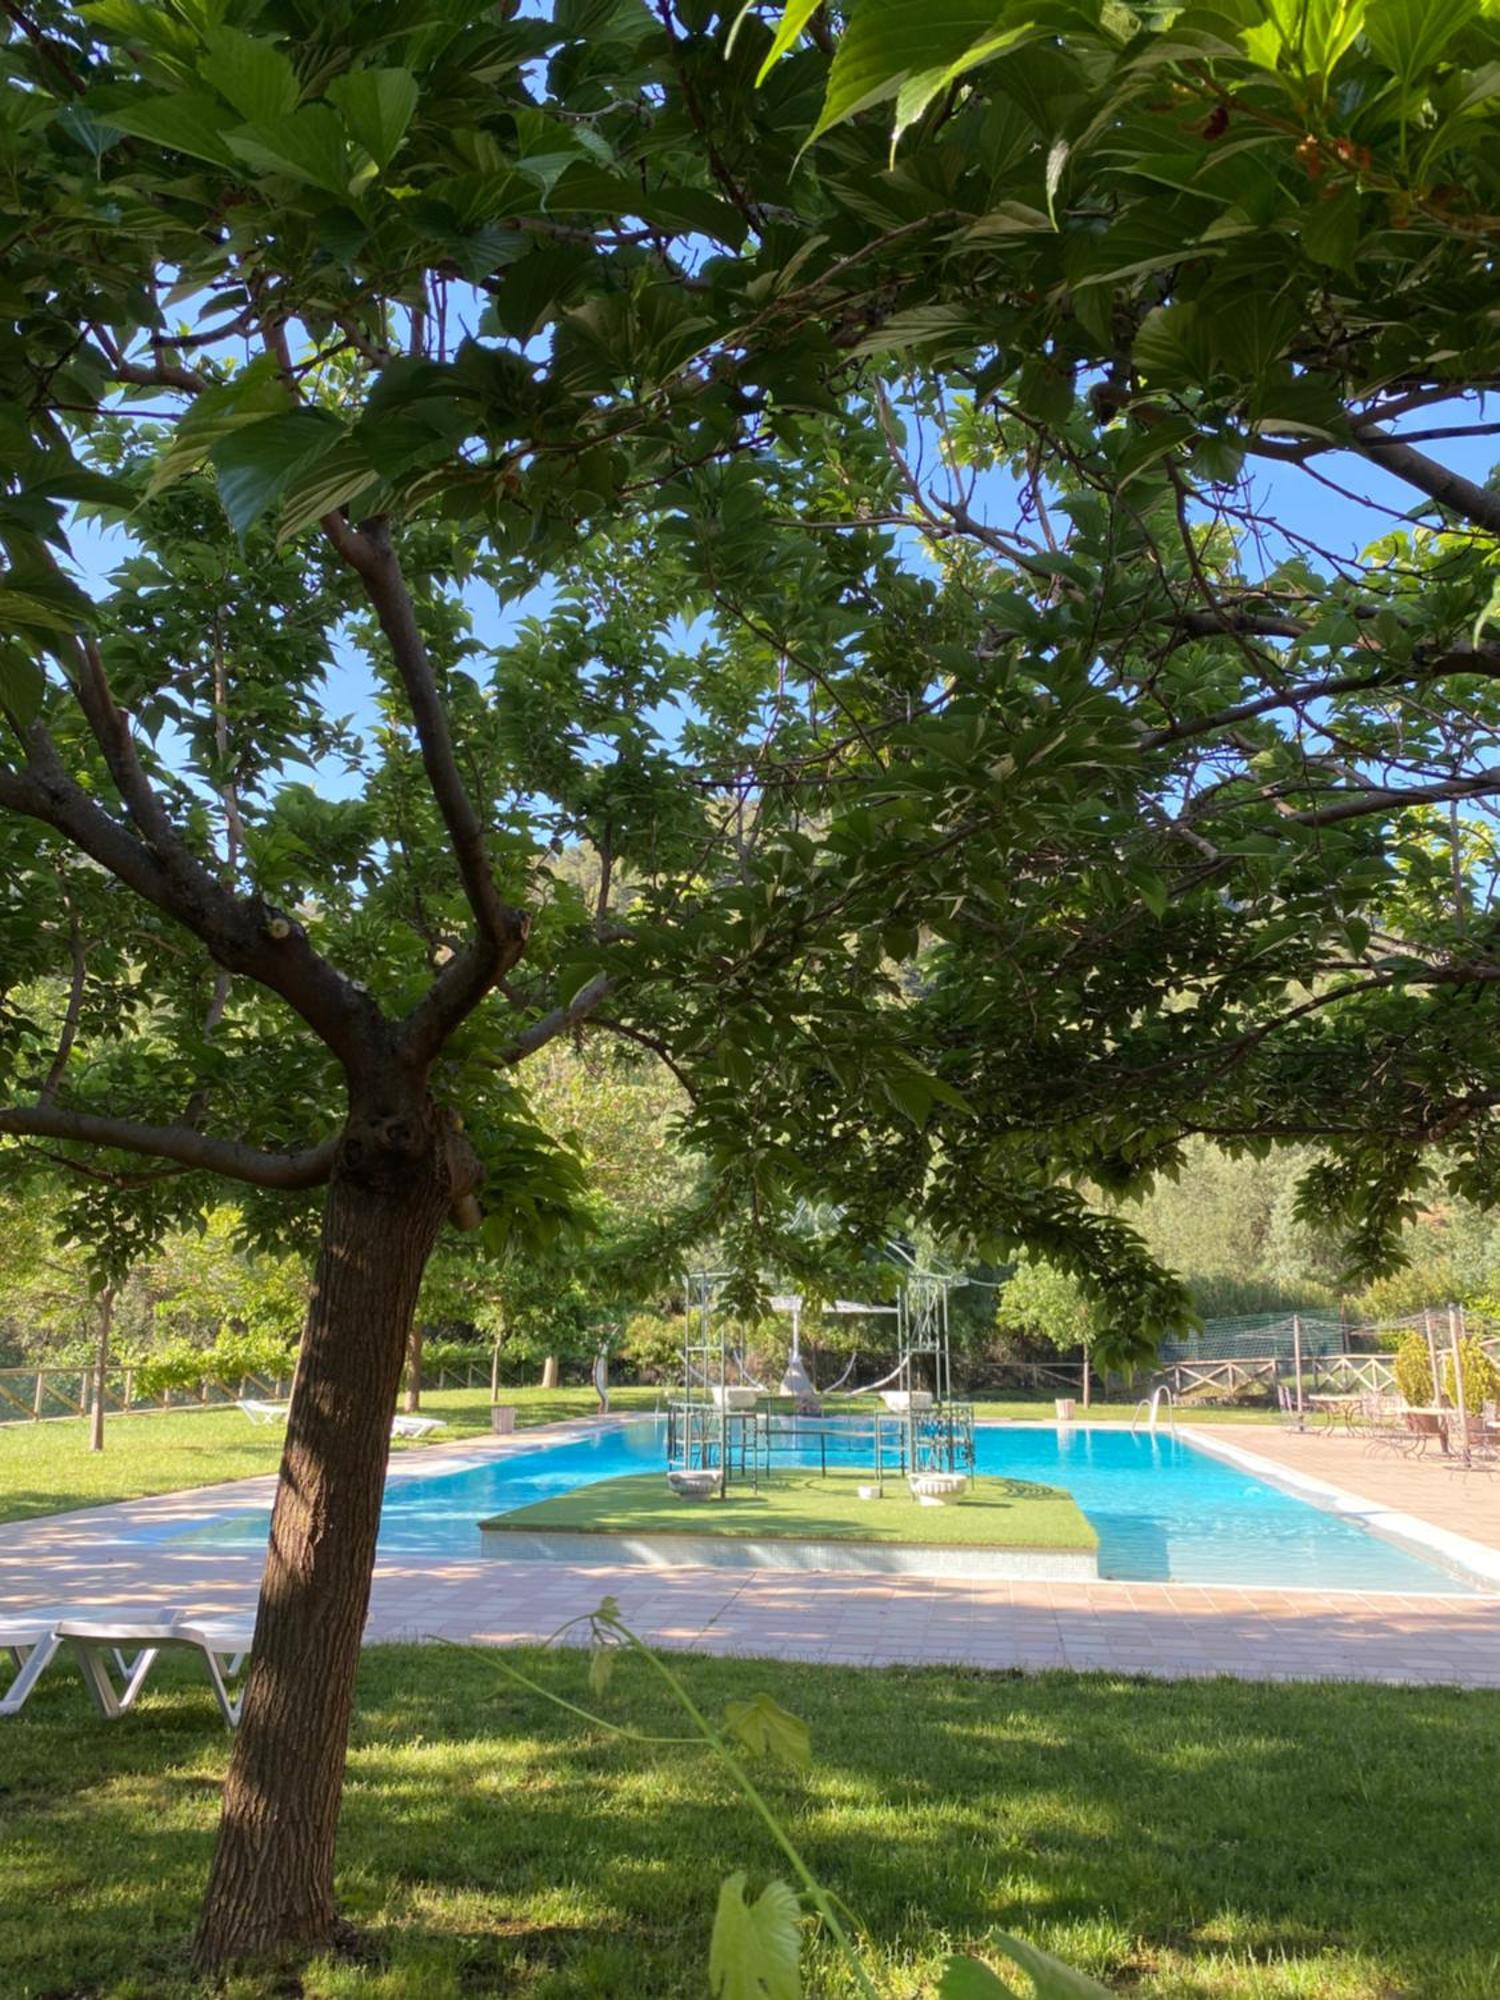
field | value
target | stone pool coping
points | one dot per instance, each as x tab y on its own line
843	1557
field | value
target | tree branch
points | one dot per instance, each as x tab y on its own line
1373	799
241	936
1414	468
502	930
229	1158
560	1020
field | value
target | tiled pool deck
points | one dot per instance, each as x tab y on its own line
1166	1629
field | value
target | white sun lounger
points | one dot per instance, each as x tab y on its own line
417	1427
220	1643
33	1642
263	1413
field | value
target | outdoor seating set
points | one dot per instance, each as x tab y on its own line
1390	1423
117	1645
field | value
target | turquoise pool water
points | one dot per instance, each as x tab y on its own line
1163	1510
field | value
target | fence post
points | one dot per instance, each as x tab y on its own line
1437	1383
1458	1383
1297	1361
41	1390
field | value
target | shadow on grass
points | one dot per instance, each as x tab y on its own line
1208	1838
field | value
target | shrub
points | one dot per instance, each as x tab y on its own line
455	1354
177	1364
1413	1367
652	1346
1481	1378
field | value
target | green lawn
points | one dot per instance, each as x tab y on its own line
45	1468
997	1513
1199	1841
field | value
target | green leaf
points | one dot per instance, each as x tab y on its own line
308	146
191	122
256	463
918	91
252	75
378	105
1173	346
756	1948
887	41
335	476
601	1668
21	684
1410	35
257	392
1330	230
967	1979
795	17
765	1729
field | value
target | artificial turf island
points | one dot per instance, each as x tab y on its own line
805	1506
1198	1840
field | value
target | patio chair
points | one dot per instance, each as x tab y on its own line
417	1427
33	1640
1385	1424
263	1413
1288	1416
221	1644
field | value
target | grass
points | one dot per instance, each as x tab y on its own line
47	1468
995	1513
1201	1841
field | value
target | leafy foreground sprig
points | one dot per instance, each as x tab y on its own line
755	1951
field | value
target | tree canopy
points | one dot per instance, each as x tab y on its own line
758	549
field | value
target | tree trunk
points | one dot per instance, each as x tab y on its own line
271	1884
413	1398
1088	1380
549	1372
101	1366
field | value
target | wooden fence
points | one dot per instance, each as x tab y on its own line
37	1395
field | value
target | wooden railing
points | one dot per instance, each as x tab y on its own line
35	1395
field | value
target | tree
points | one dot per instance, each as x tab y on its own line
1039	1299
339	324
950	872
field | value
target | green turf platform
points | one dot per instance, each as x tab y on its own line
798	1520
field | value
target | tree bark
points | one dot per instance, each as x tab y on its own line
101	1366
549	1372
396	1175
413	1397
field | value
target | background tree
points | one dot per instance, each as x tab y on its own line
1040	1301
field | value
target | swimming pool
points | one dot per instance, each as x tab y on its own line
1163	1510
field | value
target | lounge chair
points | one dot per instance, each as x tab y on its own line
263	1413
33	1640
221	1644
417	1427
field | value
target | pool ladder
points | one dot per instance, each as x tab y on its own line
1152	1406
